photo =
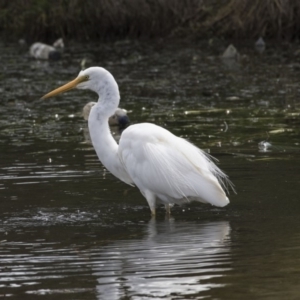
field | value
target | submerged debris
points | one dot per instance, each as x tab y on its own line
264	146
231	58
59	43
231	53
46	52
281	130
260	45
119	118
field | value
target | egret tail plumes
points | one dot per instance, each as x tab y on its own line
164	167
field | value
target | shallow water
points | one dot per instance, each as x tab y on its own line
70	230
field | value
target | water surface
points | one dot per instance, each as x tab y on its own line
70	230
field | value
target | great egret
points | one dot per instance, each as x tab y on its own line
165	168
119	118
43	51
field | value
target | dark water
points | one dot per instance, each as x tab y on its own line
70	230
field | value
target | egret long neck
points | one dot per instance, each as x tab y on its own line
109	96
104	144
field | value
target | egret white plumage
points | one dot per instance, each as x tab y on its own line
119	118
165	168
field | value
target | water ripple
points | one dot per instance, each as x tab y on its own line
173	258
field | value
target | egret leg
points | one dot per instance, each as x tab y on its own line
151	199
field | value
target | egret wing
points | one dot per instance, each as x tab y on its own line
170	167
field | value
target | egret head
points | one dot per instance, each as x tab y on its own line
93	78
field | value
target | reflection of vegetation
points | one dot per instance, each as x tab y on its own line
149	18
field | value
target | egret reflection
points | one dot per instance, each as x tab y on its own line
174	258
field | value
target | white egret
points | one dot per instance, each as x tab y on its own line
43	51
119	118
165	168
